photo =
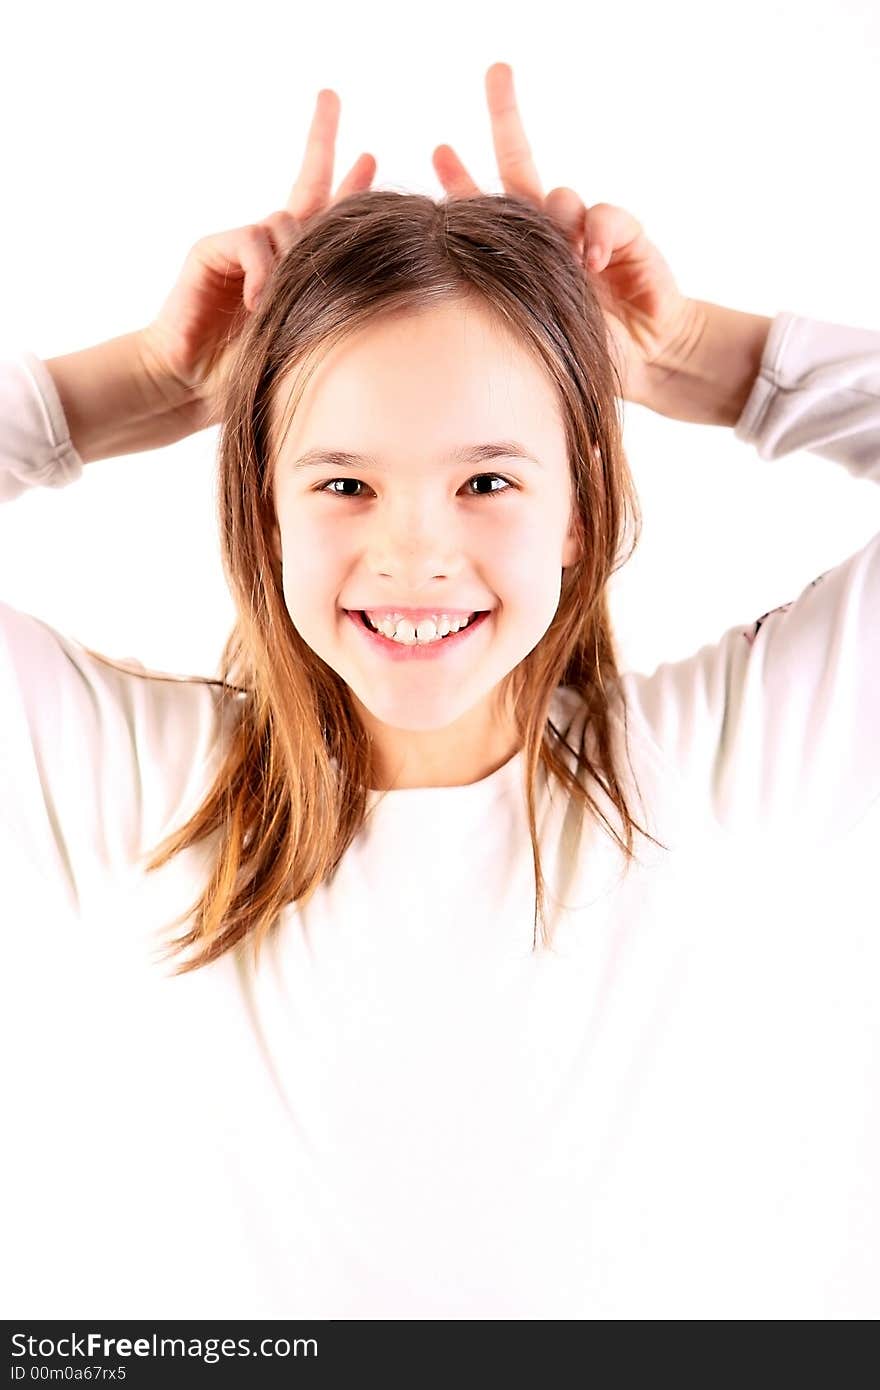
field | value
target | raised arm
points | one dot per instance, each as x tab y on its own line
116	402
773	731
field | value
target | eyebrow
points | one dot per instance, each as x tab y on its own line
467	454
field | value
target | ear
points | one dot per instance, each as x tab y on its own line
275	542
572	549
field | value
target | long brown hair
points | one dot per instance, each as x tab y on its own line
291	791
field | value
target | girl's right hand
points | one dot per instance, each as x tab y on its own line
188	348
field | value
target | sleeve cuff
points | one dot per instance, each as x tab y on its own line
61	464
748	426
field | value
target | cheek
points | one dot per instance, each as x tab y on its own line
530	588
313	579
526	563
313	557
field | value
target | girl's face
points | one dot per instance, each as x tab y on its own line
414	524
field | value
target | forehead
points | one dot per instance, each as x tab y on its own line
451	372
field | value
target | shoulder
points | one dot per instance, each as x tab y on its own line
109	747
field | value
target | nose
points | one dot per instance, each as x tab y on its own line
413	543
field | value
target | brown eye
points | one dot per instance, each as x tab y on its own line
492	492
325	486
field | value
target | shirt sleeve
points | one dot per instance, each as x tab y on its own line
776	726
96	762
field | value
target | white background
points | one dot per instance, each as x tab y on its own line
743	138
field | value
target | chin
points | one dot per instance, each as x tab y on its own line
421	717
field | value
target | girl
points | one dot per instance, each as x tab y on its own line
453	1047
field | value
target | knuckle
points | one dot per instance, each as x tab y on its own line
204	243
254	234
280	221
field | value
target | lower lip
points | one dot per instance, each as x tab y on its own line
402	651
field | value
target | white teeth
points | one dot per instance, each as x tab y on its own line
400	629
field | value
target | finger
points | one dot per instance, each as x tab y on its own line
257	256
452	173
315	179
568	209
515	165
282	229
243	254
358	178
608	229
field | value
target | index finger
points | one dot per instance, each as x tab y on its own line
311	192
515	164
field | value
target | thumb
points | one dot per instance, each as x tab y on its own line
567	208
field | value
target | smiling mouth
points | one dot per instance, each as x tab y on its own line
471	617
410	646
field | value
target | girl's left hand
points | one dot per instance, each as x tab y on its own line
651	322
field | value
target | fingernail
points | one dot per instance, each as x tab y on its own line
594	256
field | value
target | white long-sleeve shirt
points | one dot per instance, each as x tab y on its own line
404	1112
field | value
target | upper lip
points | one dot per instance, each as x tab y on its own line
417	613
